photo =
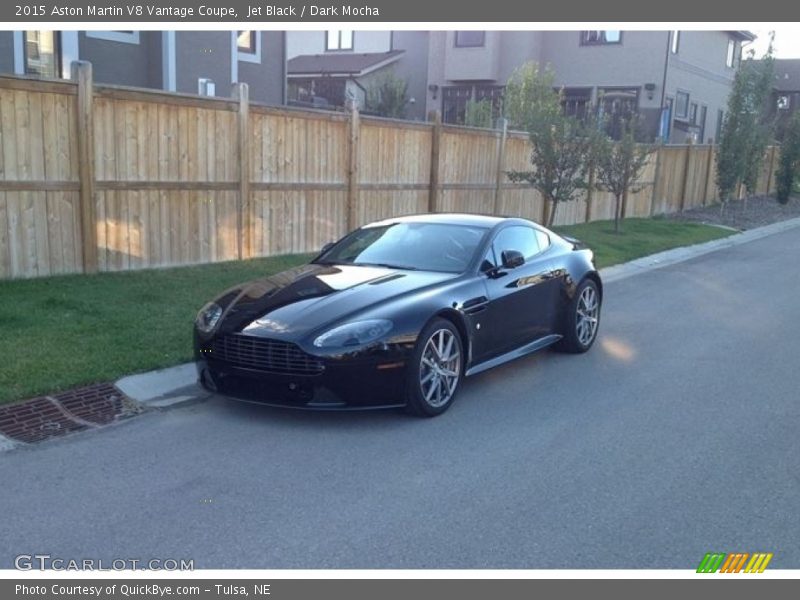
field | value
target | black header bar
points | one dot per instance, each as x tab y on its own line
379	11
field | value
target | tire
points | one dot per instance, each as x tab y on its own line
582	319
432	379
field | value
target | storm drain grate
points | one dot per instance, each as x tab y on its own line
100	404
53	416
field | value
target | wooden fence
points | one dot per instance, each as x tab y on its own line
104	178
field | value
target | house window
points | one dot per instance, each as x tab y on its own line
246	42
720	121
702	123
339	39
42	53
666	119
575	102
319	92
730	59
783	102
470	39
681	105
593	38
248	46
126	37
456	97
693	113
676	42
616	106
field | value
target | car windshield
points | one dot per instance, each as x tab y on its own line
415	246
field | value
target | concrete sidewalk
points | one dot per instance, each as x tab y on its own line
178	385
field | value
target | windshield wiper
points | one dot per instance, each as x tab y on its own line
387	266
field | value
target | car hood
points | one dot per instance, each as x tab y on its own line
295	302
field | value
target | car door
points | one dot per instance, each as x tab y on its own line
521	299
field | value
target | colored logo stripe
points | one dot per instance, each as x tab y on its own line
735	562
758	563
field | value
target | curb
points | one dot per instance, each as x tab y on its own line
684	253
164	388
7	444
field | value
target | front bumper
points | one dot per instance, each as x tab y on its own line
370	378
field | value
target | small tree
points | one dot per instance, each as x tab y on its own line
560	145
619	164
479	114
747	127
763	118
529	100
789	167
388	97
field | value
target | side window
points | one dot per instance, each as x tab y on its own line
519	238
543	239
489	262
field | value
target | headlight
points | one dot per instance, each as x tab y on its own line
208	317
354	334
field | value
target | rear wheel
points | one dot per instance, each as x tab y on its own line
582	319
436	369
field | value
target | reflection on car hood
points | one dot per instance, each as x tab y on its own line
300	300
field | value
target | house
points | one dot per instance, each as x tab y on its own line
326	68
786	91
194	62
677	81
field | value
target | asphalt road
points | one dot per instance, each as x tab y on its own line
678	434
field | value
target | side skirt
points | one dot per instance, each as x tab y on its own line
517	353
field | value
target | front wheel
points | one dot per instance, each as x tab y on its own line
436	369
582	319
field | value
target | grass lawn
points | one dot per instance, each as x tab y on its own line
62	332
639	237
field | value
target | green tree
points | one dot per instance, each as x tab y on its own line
479	114
388	97
789	167
560	145
529	100
619	164
747	128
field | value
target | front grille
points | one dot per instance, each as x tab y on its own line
264	354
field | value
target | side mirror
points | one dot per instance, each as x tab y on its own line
512	259
326	247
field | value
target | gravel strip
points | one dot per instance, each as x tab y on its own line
739	214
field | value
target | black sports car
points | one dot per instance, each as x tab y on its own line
398	312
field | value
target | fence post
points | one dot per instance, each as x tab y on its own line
352	166
501	153
436	137
244	237
656	179
82	72
685	183
708	173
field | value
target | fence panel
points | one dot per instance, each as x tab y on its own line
298	180
38	180
394	169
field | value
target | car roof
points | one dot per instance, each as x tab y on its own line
487	221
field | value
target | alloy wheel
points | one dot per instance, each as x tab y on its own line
440	368
587	318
